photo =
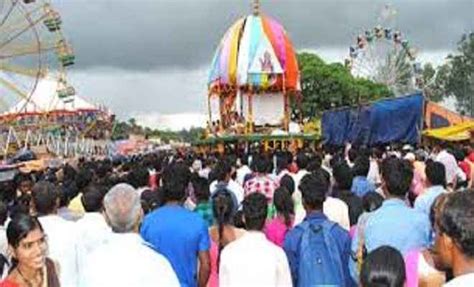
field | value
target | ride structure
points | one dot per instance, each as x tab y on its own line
38	105
385	56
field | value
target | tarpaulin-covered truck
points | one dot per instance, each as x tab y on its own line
394	120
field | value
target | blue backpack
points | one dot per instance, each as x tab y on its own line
319	256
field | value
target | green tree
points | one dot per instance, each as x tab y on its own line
132	122
435	81
428	73
122	130
326	86
461	79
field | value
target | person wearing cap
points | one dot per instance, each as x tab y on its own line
137	263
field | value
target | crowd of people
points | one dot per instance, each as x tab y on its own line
336	217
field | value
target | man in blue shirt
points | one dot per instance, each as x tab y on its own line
360	185
314	188
177	233
394	223
436	182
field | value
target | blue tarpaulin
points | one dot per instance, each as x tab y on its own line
386	121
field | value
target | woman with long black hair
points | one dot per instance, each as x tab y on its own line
30	265
223	231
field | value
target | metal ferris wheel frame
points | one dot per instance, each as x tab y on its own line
32	48
384	56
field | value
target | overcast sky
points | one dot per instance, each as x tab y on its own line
149	58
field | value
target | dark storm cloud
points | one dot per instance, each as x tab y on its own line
149	35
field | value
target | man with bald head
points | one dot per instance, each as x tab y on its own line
126	260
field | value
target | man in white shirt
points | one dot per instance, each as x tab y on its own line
126	259
62	236
92	227
223	173
242	170
253	260
454	227
449	162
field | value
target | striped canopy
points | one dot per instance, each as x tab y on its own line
255	53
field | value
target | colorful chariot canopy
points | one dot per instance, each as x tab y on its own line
255	53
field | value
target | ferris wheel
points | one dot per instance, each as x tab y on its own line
385	56
32	48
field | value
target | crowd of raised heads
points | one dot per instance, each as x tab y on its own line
349	216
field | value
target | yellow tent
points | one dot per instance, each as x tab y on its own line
460	132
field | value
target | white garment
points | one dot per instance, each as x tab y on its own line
374	174
127	261
466	280
294	128
3	241
233	186
450	164
297	179
241	173
94	232
424	268
460	175
300	213
204	173
349	163
282	174
298	176
62	245
335	209
253	260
